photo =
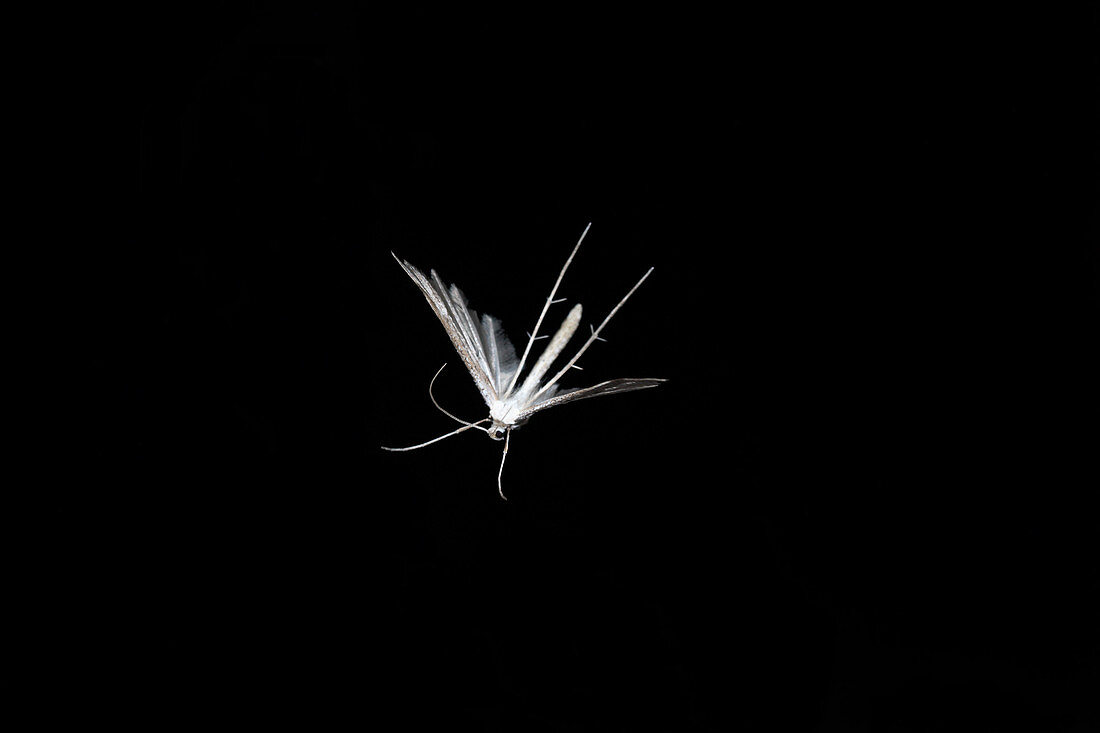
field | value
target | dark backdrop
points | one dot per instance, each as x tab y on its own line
859	503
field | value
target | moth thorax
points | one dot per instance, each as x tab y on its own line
502	412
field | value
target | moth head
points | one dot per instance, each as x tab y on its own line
497	431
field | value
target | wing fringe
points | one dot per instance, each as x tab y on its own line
481	343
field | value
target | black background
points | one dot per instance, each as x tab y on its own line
861	502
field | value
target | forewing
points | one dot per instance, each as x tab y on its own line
613	386
461	326
499	351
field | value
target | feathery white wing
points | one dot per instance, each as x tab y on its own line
533	381
484	348
499	351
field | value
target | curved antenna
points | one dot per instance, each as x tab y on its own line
500	488
535	333
436	440
456	419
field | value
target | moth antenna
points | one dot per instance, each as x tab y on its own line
458	419
436	440
546	307
500	488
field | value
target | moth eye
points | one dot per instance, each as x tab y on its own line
498	434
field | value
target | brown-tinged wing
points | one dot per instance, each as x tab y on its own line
612	386
461	326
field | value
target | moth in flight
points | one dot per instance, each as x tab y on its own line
491	359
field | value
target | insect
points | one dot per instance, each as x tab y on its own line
491	359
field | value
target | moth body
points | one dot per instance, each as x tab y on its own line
506	414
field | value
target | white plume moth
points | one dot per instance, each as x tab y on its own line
491	359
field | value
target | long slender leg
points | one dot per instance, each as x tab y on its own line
546	307
500	487
436	440
593	338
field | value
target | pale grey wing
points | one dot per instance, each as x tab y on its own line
613	386
496	354
499	352
460	324
467	322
